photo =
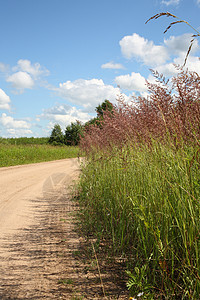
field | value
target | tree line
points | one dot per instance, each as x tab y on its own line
74	131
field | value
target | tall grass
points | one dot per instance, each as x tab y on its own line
140	188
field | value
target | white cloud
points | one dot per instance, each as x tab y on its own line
26	74
170	2
198	2
34	70
10	123
168	69
18	132
193	63
64	115
112	65
175	47
21	80
87	93
132	82
180	44
135	46
4	100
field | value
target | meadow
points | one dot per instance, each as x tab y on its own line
21	151
24	141
140	188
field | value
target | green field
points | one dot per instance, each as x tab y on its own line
24	141
11	154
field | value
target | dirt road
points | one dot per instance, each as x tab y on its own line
35	225
21	184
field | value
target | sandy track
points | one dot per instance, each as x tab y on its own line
35	225
20	184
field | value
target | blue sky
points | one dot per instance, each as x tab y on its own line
59	59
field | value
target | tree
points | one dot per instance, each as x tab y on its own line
73	133
105	106
100	109
93	121
56	137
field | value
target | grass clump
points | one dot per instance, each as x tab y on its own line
140	188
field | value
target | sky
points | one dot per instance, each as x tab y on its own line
60	59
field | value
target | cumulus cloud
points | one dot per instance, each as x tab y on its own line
193	63
135	81
179	44
34	70
14	127
11	123
170	2
4	100
178	47
26	75
174	49
18	132
21	80
135	46
167	69
112	65
87	93
64	115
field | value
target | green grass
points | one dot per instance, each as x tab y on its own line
24	141
146	203
11	155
